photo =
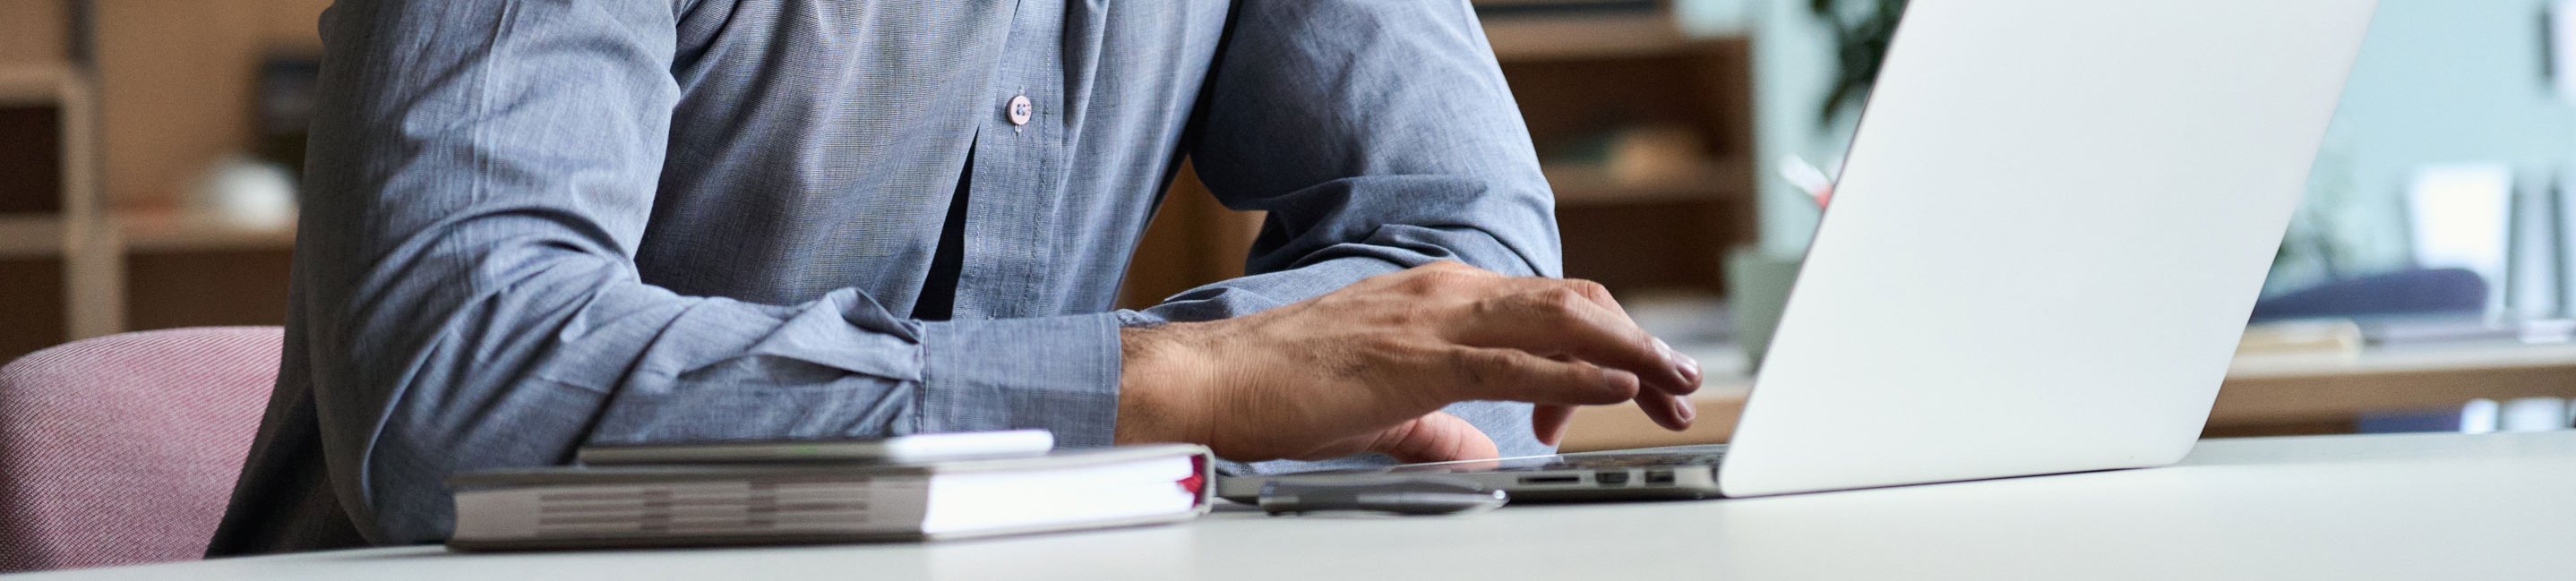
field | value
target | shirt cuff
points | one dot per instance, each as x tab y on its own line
1058	374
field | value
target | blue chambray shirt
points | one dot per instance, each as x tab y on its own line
535	224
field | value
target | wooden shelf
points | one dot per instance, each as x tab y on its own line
37	84
1592	185
1572	37
39	235
69	232
167	231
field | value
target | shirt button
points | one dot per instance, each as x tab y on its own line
1019	109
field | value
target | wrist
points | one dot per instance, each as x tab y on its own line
1162	385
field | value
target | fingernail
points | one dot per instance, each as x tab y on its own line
1682	364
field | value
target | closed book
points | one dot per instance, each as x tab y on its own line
737	504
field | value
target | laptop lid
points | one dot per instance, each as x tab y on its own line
2052	227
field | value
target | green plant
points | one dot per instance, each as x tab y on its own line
1862	29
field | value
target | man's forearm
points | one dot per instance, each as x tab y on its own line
1158	368
1369	367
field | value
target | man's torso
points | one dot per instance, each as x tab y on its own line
816	145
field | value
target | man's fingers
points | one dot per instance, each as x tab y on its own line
1548	422
1436	437
1687	367
1566	318
1673	412
1491	374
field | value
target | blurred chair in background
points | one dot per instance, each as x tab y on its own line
123	449
2411	292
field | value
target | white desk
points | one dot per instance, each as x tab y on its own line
2339	507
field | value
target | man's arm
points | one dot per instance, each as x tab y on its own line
1378	136
482	173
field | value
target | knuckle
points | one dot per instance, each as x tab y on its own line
1643	342
1422	282
1589	290
1489	309
1563	302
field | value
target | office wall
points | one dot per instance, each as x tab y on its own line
1793	65
31	32
175	83
2438	81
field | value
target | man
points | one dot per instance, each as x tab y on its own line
533	225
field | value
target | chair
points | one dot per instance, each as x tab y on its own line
2406	292
123	449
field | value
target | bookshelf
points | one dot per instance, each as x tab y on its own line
165	230
1592	35
69	262
54	252
1581	186
23	236
1645	134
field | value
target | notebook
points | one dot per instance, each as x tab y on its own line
739	504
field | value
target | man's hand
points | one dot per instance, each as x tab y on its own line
1368	367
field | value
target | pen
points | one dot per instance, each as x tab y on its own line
1808	178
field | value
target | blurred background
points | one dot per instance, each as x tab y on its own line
149	152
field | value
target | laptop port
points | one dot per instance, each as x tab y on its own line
1611	477
1528	480
1659	477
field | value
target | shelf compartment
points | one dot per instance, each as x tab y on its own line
173	231
1524	38
1591	185
30	236
37	85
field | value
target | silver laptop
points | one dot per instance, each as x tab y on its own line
2053	224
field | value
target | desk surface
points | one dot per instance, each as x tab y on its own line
2340	507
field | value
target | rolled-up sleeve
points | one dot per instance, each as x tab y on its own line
1378	136
482	173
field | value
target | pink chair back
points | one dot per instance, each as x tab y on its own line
123	449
